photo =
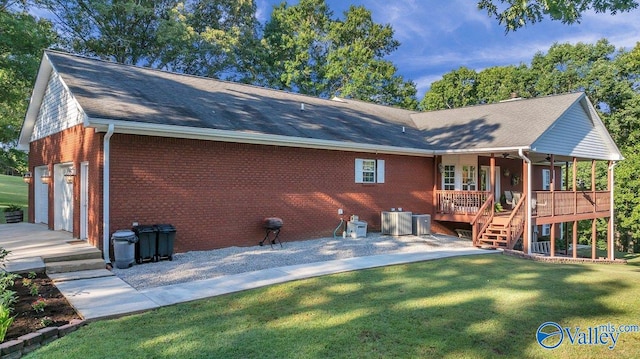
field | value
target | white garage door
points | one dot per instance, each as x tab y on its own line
40	196
63	198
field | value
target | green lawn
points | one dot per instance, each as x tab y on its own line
475	307
13	190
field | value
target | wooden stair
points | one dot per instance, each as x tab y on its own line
496	234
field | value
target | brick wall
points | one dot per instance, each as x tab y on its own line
74	145
216	193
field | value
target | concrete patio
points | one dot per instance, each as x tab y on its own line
98	294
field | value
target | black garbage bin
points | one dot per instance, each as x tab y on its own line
166	237
147	243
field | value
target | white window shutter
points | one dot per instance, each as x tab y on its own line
380	171
359	178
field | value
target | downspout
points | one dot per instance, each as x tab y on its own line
529	227
105	195
611	218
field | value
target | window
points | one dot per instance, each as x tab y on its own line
449	178
546	179
369	171
469	178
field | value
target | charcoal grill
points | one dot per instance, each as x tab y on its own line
272	225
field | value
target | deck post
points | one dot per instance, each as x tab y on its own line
492	175
611	224
575	240
594	238
552	186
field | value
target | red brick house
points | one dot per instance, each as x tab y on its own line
111	144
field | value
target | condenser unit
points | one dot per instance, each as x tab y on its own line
396	223
421	224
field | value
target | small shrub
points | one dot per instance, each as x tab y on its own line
46	321
32	275
5	321
26	282
13	208
39	305
34	290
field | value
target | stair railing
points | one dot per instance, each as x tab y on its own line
482	219
515	226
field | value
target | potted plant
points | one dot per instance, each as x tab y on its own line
13	214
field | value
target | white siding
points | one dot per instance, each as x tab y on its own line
58	111
575	134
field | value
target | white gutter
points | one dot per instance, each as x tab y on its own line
529	227
105	195
611	218
151	129
481	150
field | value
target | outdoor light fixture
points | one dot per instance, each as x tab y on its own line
27	177
440	167
507	173
69	175
46	177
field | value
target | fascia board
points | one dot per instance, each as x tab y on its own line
37	96
138	128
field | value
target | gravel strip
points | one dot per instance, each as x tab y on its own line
191	266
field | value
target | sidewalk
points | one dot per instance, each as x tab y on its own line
108	297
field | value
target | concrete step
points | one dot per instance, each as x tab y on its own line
88	252
84	274
74	265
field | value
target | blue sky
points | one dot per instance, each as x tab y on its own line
439	36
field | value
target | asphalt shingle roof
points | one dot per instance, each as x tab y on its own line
113	91
107	90
514	123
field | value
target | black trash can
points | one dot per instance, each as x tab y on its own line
166	237
147	243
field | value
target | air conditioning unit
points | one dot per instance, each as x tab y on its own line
396	223
421	224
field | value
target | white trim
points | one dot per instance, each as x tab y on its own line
84	200
148	129
37	96
612	215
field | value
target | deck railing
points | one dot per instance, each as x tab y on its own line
516	222
460	202
561	203
482	219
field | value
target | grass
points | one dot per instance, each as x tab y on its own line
13	190
468	307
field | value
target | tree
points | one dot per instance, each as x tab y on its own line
309	51
22	40
198	37
514	14
456	89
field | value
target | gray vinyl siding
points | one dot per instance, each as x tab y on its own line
58	111
574	134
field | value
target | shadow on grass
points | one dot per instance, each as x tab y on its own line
480	306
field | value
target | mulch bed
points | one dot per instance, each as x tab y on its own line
56	312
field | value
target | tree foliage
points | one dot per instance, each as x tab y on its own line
514	14
309	51
611	79
199	37
22	40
